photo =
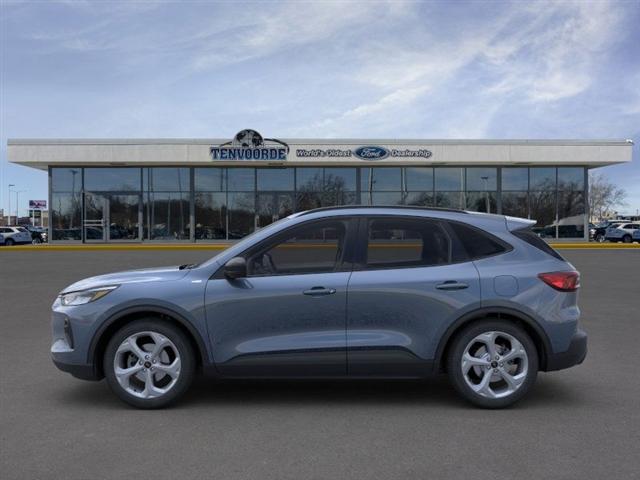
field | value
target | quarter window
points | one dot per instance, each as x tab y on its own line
477	243
314	248
403	243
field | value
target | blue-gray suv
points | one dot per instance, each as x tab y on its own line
347	292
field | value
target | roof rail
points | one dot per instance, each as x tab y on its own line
403	207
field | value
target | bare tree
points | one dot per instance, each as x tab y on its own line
604	196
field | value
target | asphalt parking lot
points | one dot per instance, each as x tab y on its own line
577	424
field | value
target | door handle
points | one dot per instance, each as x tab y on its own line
452	285
319	291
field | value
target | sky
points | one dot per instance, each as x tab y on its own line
374	69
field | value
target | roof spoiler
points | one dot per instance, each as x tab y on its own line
516	223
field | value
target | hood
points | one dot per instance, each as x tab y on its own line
163	274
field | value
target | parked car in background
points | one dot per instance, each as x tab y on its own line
599	231
38	234
622	233
1	239
636	235
352	292
15	235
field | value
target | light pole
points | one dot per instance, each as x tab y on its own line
9	212
18	192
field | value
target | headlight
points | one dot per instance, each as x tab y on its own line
85	296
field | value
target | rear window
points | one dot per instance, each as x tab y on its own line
477	243
534	240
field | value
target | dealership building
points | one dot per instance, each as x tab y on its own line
204	190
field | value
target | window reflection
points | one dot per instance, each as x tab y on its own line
241	179
275	179
571	214
210	216
482	179
112	179
241	214
66	216
66	180
419	178
450	200
449	179
209	179
542	178
166	179
166	216
515	178
381	179
570	178
515	204
481	202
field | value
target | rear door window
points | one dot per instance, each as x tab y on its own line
405	242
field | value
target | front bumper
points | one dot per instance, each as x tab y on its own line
574	355
83	372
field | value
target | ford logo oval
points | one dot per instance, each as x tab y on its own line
371	153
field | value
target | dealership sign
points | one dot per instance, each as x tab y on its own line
366	152
38	204
250	145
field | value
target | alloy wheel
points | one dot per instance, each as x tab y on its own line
494	364
147	364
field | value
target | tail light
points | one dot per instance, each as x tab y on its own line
562	281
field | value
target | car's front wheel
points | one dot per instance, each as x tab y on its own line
626	239
492	363
599	238
149	363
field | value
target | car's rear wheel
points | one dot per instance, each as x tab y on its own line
492	363
149	363
626	239
9	242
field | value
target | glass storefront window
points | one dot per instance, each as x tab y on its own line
210	216
543	210
450	200
280	179
542	178
451	179
515	204
381	179
209	179
308	200
340	179
419	178
66	179
166	179
420	199
166	216
482	202
482	179
515	178
571	178
241	179
241	214
125	179
384	198
309	179
66	216
571	214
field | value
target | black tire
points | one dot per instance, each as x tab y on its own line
599	238
626	239
36	241
456	351
182	344
9	242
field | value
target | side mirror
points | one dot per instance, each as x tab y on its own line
235	268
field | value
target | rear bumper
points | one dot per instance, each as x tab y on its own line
574	355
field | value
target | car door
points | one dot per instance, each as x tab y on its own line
403	294
287	318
